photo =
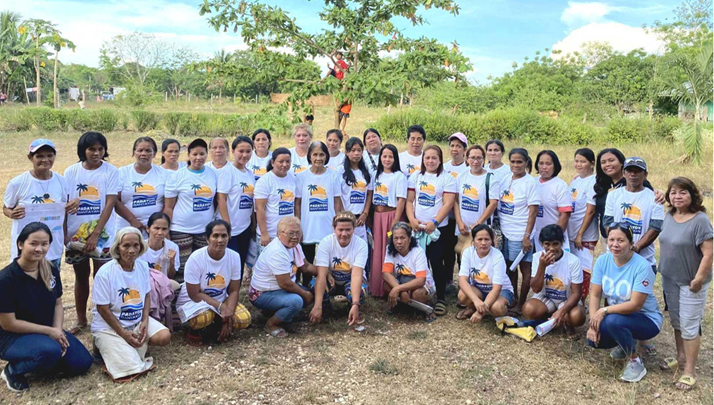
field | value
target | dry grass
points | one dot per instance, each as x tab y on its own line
397	360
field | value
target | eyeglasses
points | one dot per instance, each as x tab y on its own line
293	235
477	158
623	226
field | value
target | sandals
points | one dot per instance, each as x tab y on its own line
649	349
669	363
440	308
464	314
277	333
193	338
685	382
77	328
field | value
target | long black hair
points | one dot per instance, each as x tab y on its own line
603	182
557	167
277	152
395	166
347	174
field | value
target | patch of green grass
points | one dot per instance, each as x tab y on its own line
382	366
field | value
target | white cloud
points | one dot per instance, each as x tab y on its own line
621	37
583	13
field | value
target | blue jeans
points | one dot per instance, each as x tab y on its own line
285	304
624	330
40	353
240	244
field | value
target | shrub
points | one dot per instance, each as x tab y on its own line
144	120
48	119
16	119
105	120
171	122
80	120
192	124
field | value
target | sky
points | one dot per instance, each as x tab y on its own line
493	34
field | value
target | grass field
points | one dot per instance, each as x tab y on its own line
397	360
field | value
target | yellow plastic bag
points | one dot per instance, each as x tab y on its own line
507	324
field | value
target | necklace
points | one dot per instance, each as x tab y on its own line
44	184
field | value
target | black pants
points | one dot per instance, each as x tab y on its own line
435	255
309	250
449	237
240	243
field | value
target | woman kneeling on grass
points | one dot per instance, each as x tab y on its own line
273	288
405	272
212	282
121	324
557	281
626	280
484	286
31	315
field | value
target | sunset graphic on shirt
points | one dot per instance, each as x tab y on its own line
573	197
201	190
480	279
469	198
403	270
132	304
381	194
286	206
215	284
38	199
632	215
144	195
554	288
358	195
89	200
507	205
340	264
427	194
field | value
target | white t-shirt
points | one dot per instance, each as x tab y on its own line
26	190
180	166
410	164
582	194
516	198
258	165
218	170
336	161
472	196
212	276
554	196
484	272
637	209
142	194
354	197
456	170
92	188
388	188
297	164
429	198
194	193
501	174
280	193
159	259
239	186
559	276
123	291
341	259
276	259
372	161
413	264
317	204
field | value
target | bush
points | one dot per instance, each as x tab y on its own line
192	124
16	119
80	120
145	120
105	120
48	119
171	122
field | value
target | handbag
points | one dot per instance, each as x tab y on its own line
493	222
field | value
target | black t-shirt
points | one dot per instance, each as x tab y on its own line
28	298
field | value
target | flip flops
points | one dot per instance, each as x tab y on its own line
440	308
277	333
76	329
669	363
464	314
686	382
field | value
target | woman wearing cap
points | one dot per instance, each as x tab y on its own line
141	187
213	276
31	315
372	141
40	185
333	140
121	325
189	202
555	202
219	153
411	158
258	163
91	228
626	280
456	166
686	266
274	196
302	135
273	288
170	153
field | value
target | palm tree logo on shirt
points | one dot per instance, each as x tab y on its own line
137	184
339	264
210	276
410	168
38	199
214	279
129	295
123	292
311	188
82	187
479	276
403	270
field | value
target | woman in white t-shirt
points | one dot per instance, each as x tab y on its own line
121	325
389	199
40	185
218	147
494	154
212	284
556	280
161	254
170	153
555	202
476	202
411	159
141	187
372	141
357	185
406	271
273	287
317	199
258	163
189	202
236	185
333	140
582	227
274	196
302	135
517	210
430	197
90	231
484	287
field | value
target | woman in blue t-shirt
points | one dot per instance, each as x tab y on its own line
625	279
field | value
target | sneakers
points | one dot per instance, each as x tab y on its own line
634	371
618	354
16	383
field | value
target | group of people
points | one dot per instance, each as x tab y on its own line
317	224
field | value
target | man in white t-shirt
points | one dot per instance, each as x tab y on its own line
556	280
340	262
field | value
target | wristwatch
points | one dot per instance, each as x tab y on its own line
604	310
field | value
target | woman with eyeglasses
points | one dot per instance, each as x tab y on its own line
273	288
626	280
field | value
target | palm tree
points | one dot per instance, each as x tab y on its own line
41	32
625	206
137	184
422	184
210	276
410	167
336	261
243	185
195	188
311	188
296	166
476	272
38	199
82	187
378	184
123	292
466	187
281	192
399	268
548	278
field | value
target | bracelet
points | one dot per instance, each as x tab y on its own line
363	213
526	234
219	307
435	222
355	303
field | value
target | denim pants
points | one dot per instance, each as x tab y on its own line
240	244
38	353
625	330
285	304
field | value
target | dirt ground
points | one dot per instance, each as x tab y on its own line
398	359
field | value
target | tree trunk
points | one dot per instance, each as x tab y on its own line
651	110
27	98
220	95
54	83
37	72
337	112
